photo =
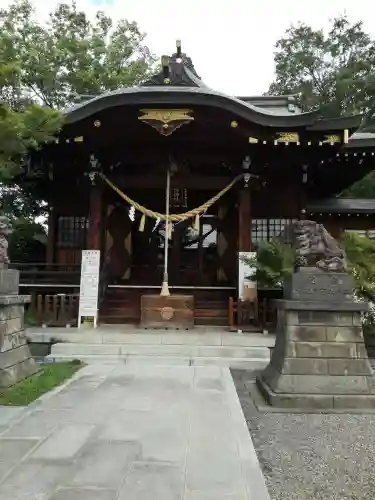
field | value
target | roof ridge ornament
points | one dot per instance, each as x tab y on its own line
177	70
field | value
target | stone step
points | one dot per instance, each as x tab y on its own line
236	363
125	334
76	350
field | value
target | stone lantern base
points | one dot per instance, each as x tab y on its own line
319	360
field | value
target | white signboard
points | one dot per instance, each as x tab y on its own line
89	288
245	271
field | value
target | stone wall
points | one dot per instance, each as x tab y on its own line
16	361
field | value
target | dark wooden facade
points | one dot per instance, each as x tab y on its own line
290	161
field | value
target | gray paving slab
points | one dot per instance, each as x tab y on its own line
15	449
9	415
153	481
38	425
133	433
32	481
6	467
64	443
104	464
84	494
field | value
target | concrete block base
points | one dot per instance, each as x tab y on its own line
267	401
319	360
16	362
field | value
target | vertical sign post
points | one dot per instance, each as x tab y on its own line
89	286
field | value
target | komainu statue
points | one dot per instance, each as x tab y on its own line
315	247
5	231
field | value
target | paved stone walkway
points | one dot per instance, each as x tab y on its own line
132	433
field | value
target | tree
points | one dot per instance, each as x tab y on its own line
47	67
333	72
70	55
27	243
23	125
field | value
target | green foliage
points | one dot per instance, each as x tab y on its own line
71	55
27	241
360	255
22	128
333	72
46	67
30	389
273	263
364	188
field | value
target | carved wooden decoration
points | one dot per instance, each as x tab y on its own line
332	139
288	137
166	121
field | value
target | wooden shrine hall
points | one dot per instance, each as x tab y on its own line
240	167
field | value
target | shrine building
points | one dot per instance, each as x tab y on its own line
252	163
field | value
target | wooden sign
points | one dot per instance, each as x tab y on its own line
89	286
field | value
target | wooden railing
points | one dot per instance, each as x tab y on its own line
249	315
43	273
52	310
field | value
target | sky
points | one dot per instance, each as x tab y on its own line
230	42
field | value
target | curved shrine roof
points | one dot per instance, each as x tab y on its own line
178	84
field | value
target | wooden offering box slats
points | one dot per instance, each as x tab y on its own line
175	311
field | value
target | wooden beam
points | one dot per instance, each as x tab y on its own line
51	236
244	220
93	241
188	181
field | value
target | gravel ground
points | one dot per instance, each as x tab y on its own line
312	456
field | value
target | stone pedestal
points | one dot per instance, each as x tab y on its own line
16	362
319	360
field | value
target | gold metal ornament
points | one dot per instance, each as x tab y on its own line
332	139
287	137
165	121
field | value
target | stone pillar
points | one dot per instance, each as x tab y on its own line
244	220
16	362
319	360
93	240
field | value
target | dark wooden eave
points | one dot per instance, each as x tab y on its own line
203	96
342	206
362	140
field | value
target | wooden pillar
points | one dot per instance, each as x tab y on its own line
51	236
93	239
244	220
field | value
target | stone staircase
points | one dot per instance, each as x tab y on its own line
121	343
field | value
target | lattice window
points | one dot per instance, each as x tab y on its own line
267	229
71	232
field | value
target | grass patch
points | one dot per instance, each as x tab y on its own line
30	389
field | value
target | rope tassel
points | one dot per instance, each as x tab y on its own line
142	223
169	230
196	223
